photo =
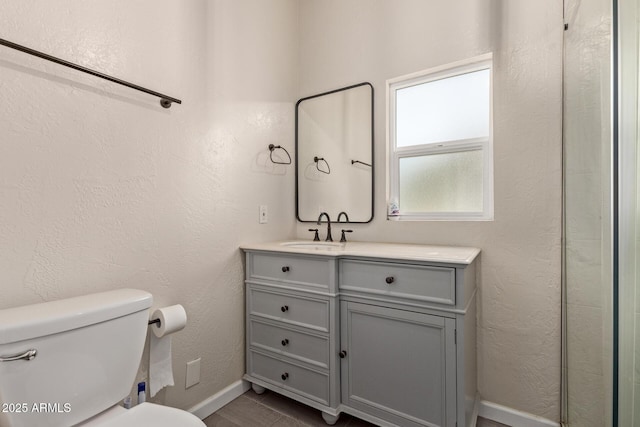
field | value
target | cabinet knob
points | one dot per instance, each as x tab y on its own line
285	342
285	269
390	280
284	376
284	308
342	354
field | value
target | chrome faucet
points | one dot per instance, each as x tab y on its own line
329	238
346	217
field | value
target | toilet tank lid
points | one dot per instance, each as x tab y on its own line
38	320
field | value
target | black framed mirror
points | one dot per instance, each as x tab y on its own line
334	155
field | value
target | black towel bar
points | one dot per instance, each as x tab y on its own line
165	100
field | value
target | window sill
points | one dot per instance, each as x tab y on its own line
441	217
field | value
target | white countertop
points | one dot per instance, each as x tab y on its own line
400	251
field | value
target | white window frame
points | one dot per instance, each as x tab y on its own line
395	153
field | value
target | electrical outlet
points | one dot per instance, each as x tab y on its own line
264	214
193	373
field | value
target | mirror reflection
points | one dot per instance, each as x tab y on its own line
334	155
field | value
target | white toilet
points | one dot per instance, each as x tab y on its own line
71	362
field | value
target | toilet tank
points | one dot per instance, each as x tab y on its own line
88	352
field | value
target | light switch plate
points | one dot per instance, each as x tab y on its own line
264	214
193	373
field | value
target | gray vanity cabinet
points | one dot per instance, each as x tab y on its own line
392	341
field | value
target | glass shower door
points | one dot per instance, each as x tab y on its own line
628	236
601	344
587	290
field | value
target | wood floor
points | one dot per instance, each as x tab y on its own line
273	410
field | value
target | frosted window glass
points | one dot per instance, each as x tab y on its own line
447	182
449	109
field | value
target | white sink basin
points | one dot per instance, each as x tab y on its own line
314	246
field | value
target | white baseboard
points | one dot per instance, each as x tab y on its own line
489	410
210	405
512	417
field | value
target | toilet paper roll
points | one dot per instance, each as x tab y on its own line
172	319
160	367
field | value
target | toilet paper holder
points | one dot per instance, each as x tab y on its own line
168	320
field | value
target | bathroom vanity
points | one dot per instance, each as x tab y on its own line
385	332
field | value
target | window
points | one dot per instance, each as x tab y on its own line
440	143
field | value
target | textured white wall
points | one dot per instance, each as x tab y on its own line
101	188
519	306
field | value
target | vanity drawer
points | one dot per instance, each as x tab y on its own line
306	382
308	272
309	348
408	281
308	312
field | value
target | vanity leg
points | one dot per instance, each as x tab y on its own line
330	419
257	388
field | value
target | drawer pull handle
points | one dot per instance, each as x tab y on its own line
390	280
285	269
284	376
285	342
284	308
342	354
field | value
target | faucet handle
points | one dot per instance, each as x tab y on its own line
316	238
344	238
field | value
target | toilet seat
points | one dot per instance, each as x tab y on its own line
150	415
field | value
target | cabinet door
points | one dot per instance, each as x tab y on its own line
399	365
